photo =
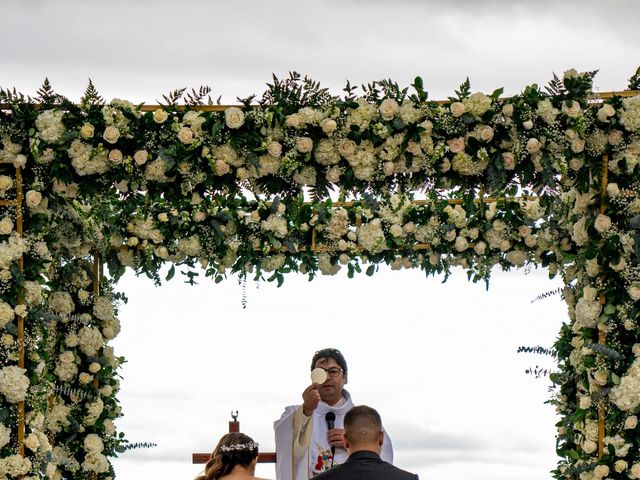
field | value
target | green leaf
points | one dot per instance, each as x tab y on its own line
609	309
371	269
615	379
496	93
171	273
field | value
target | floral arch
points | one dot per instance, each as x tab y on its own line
303	181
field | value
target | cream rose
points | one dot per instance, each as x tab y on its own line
328	126
388	109
631	422
304	144
614	137
87	131
457	109
634	292
605	112
33	199
533	145
185	135
115	156
141	156
347	148
527	124
576	164
486	133
234	117
111	134
275	149
507	110
602	223
6	226
571	108
509	161
160	116
456	145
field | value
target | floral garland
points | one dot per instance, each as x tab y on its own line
475	182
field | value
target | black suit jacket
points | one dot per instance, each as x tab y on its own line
365	465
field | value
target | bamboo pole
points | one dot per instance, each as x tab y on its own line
20	318
602	333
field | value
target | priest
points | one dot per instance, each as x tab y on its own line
310	436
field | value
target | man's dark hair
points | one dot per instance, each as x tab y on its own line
362	424
330	353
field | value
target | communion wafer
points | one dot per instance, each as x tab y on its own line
318	375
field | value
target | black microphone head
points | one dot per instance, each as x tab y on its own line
330	417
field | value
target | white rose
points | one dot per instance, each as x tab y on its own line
602	223
185	135
508	161
620	466
6	226
584	403
613	190
111	134
614	137
601	377
275	149
163	217
115	156
571	111
234	117
33	199
328	126
486	133
480	248
85	378
456	145
387	168
634	292
87	130
577	145
533	145
161	252
94	367
141	156
527	124
199	216
457	109
304	144
461	244
605	112
347	148
589	446
576	164
221	167
388	109
293	121
160	116
507	110
631	422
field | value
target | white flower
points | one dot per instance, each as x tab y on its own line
631	422
328	126
160	116
95	462
533	145
14	383
388	109
33	199
90	340
141	156
304	144
234	117
630	115
461	244
626	395
516	257
111	134
477	104
457	109
579	232
115	156
605	112
634	292
6	226
93	443
5	435
185	135
571	108
50	126
456	145
61	302
602	223
371	237
87	131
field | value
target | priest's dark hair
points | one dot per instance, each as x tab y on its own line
232	449
330	353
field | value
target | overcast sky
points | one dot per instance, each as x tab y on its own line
438	361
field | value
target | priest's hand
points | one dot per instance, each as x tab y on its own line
311	399
336	437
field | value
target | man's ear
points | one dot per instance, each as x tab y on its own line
347	445
346	379
381	438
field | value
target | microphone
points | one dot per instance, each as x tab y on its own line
330	418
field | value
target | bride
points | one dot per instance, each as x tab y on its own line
234	458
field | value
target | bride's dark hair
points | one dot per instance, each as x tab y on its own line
232	449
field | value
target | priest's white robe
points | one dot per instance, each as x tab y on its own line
302	449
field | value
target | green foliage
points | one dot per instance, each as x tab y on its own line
294	92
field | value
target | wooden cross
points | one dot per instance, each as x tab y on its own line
234	427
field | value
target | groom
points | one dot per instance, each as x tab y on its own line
305	443
364	439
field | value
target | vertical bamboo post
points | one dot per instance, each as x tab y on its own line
601	333
20	319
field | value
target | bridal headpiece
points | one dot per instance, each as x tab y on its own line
239	446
